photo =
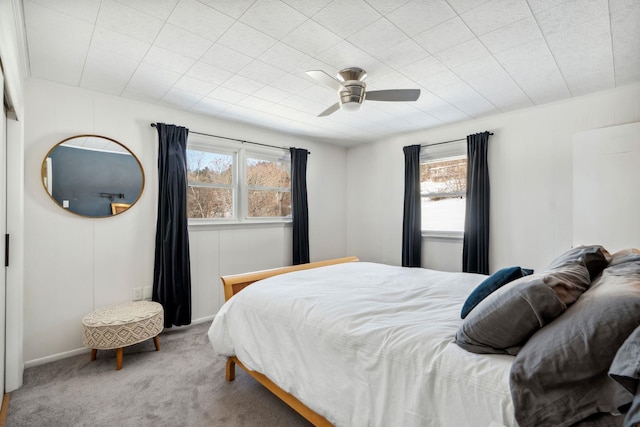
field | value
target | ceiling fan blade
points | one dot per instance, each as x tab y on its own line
335	107
393	95
326	79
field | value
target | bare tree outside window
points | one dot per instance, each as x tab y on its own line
210	192
269	185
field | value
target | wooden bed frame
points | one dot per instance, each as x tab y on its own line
234	284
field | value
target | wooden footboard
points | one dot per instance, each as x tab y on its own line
234	284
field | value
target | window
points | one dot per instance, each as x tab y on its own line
443	187
234	184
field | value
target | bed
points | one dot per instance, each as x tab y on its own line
351	343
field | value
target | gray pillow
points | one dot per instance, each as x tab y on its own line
502	322
594	257
560	375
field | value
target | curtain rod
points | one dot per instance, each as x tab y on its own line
447	142
242	141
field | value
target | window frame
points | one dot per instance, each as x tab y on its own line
270	157
442	153
240	188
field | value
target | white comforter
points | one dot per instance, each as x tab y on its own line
366	344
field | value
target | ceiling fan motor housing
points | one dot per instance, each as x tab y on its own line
354	93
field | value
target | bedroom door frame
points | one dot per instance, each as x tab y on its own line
3	230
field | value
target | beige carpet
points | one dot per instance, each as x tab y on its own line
181	385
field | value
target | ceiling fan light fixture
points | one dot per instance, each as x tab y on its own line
350	106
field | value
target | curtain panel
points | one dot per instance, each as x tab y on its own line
475	247
172	271
299	205
411	223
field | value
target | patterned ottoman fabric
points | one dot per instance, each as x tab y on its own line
122	325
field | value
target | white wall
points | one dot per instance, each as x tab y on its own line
76	264
530	160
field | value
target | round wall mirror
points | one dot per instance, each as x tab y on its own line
92	176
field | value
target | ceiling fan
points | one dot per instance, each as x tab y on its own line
352	90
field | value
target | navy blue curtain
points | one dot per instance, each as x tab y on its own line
411	223
172	271
299	206
475	248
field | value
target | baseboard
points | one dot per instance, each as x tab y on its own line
4	410
83	350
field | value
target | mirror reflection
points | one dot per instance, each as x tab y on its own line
92	176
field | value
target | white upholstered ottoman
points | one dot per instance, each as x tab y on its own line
121	325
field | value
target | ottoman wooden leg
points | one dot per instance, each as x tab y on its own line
119	355
94	352
156	341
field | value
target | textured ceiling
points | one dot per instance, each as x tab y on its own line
245	60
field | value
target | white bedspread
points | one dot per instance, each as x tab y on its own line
366	344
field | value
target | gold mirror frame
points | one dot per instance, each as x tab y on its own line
116	206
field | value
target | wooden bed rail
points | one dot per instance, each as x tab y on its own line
234	283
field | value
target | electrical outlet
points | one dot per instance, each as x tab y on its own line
147	292
137	294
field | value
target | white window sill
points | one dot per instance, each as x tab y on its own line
443	235
204	224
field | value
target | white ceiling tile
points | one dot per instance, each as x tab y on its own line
390	80
243	84
191	84
384	7
86	10
245	39
150	83
346	17
402	54
571	13
284	57
100	74
625	32
130	22
58	44
292	84
495	14
444	36
584	51
118	44
261	72
272	17
378	37
307	7
303	104
438	81
590	81
181	99
200	19
160	9
534	69
441	110
511	35
234	8
163	58
311	38
462	53
538	6
463	97
417	16
424	68
487	77
319	94
227	95
210	106
461	6
209	73
272	94
181	41
345	54
225	58
255	103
